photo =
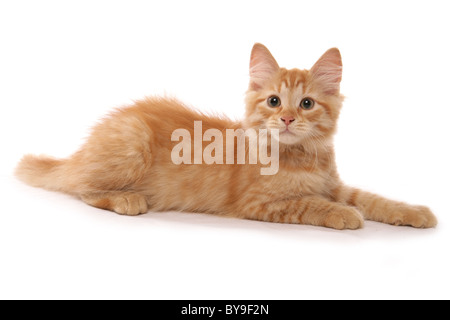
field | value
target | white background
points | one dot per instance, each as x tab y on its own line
65	64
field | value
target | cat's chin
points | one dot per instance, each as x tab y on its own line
288	138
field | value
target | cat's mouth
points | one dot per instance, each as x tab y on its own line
286	131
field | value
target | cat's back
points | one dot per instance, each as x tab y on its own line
152	121
165	114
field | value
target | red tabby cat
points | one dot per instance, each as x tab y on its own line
126	164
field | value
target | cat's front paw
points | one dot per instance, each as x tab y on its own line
344	218
414	216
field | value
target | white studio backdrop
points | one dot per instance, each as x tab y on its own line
65	64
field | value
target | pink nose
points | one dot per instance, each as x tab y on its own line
287	119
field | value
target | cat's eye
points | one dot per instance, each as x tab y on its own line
307	103
274	101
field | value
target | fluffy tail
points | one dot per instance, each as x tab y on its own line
42	171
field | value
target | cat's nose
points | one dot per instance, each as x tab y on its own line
287	119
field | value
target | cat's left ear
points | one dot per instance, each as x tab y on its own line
263	66
327	71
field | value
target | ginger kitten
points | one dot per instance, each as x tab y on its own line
127	164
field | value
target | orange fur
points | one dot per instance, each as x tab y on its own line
125	166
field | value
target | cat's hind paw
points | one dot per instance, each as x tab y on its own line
123	203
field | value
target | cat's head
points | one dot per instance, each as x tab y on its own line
303	104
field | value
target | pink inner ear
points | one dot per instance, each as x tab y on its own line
255	86
262	66
327	71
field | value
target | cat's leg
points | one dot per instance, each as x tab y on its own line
125	203
113	164
312	210
377	208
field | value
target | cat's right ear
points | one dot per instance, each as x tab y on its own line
263	66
